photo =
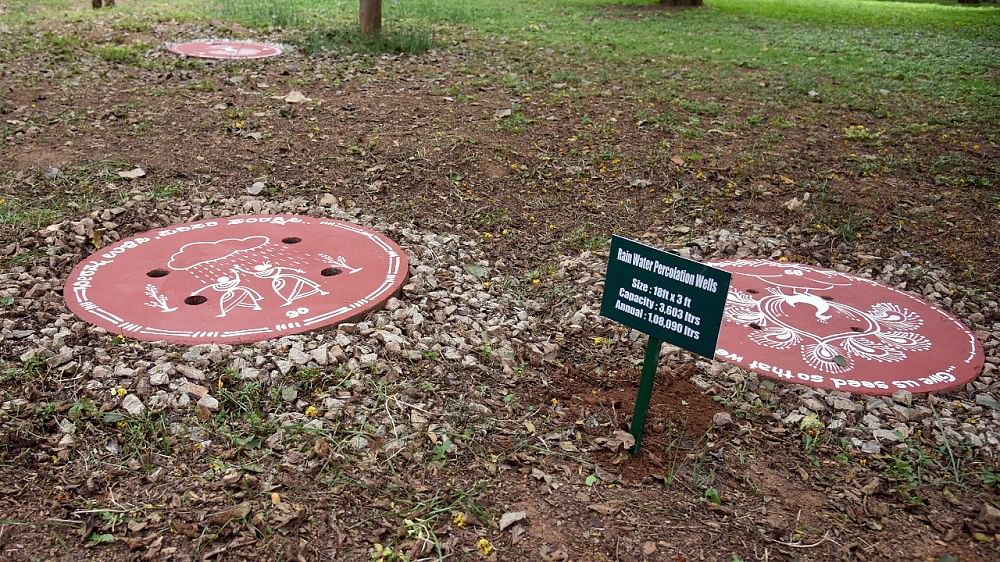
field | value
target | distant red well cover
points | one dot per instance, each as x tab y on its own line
226	50
826	329
236	279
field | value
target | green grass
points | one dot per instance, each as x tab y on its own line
132	54
329	25
27	205
868	55
24	216
391	40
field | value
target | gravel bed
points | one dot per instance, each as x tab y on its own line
481	324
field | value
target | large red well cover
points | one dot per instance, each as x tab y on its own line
226	50
826	329
236	279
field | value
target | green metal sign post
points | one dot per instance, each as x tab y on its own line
670	298
645	390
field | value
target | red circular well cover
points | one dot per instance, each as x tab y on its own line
236	279
826	329
226	50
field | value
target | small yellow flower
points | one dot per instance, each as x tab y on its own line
312	411
536	281
459	520
782	259
120	392
598	340
486	284
554	401
219	384
121	424
485	546
487	235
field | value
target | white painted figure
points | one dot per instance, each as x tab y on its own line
286	283
234	294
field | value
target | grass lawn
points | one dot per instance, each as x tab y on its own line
846	50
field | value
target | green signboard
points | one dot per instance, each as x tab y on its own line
671	298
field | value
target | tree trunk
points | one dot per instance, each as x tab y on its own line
680	3
370	16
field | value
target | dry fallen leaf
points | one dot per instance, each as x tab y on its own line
794	204
620	439
296	96
607	508
134	173
568	447
239	511
677	160
511	517
285	514
871	487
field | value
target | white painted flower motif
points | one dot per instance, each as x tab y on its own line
886	333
